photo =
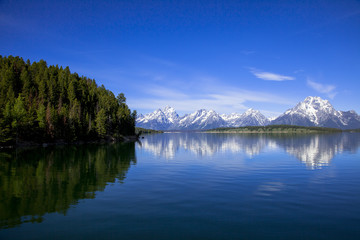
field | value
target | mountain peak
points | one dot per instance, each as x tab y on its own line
312	111
352	112
171	115
313	105
312	98
168	108
315	111
251	111
316	100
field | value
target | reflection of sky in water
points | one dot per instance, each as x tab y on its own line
313	150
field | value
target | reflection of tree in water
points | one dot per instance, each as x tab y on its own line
44	180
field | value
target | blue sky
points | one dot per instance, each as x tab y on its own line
221	55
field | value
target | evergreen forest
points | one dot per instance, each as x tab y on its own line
41	103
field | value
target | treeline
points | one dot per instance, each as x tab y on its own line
276	128
41	103
140	130
352	130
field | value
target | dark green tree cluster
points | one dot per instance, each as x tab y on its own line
42	103
139	131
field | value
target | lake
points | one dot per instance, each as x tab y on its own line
185	186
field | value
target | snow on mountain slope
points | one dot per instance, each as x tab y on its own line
168	119
249	118
160	119
313	111
201	119
171	114
253	118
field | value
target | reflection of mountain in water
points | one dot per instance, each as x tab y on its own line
315	150
45	180
318	150
202	144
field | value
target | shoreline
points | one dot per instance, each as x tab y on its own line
271	132
61	142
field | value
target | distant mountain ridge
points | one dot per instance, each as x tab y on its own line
168	119
249	118
313	111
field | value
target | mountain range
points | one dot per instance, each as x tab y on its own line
313	111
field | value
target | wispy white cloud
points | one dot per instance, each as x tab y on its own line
329	90
223	101
193	90
268	76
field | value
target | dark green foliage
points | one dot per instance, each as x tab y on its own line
353	130
140	131
41	103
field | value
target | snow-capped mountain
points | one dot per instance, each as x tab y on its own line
201	119
351	119
168	119
160	119
249	118
314	111
171	114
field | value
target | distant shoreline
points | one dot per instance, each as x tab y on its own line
276	129
256	129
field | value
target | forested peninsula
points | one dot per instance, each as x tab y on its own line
44	104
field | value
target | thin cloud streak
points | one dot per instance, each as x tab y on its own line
268	76
322	88
224	101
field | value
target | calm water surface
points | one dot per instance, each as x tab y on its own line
185	186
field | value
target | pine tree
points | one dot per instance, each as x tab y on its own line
100	122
